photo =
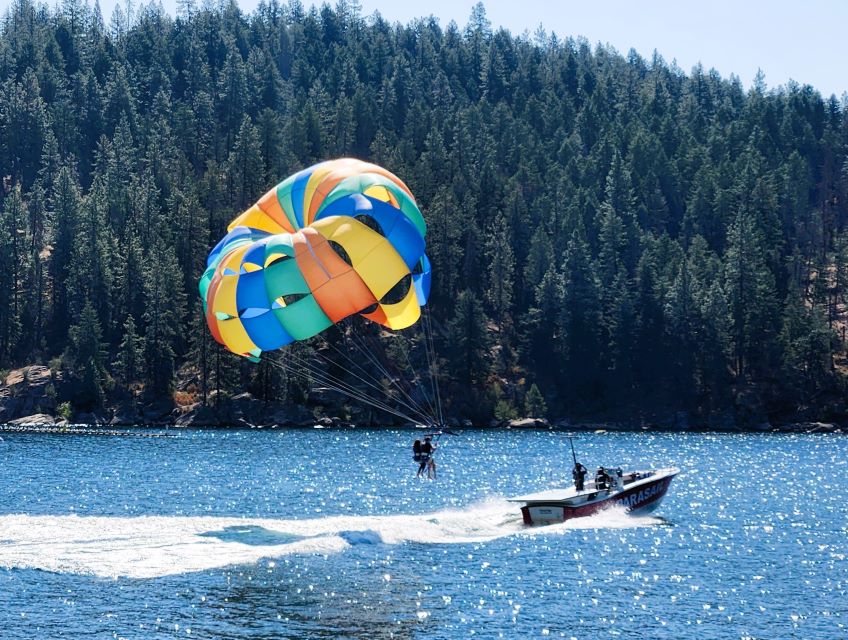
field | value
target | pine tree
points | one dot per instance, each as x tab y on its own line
540	257
245	167
36	287
89	276
534	403
470	341
232	92
620	340
18	264
10	326
129	365
163	317
86	355
579	319
751	291
23	128
444	248
501	261
806	342
67	205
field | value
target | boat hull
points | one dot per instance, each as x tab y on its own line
645	497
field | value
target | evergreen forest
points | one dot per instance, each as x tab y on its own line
610	236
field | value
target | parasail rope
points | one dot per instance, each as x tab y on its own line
340	385
372	381
363	348
420	385
435	410
433	364
307	369
304	366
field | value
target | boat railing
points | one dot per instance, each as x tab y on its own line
634	476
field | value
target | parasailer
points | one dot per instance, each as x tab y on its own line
426	462
424	453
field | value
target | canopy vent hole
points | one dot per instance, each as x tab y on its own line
399	291
371	223
340	252
280	257
290	298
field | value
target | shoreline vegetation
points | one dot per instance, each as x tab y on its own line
45	424
613	239
25	407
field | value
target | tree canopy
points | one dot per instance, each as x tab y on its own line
605	230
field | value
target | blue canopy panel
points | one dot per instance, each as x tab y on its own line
266	331
255	255
298	192
238	235
397	228
421	281
254	308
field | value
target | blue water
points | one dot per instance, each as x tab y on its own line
328	534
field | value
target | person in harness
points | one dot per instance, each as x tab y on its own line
425	457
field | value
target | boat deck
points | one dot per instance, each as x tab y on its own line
630	480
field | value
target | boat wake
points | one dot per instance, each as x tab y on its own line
154	546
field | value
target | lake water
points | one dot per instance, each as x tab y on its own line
328	534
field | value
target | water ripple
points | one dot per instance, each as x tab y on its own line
328	533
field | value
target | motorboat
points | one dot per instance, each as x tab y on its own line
638	492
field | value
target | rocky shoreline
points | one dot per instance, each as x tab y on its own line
28	403
45	423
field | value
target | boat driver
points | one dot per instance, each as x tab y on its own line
601	479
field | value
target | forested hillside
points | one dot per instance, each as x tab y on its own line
628	237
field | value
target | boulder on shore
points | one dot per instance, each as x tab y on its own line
26	392
815	427
529	423
198	416
91	419
35	420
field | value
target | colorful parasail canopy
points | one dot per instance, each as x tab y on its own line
339	238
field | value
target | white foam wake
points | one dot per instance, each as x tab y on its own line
152	546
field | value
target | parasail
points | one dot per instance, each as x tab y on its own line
340	238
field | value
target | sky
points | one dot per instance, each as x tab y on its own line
800	40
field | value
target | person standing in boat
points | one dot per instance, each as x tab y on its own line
579	474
